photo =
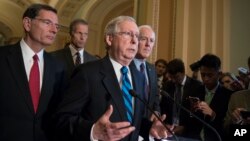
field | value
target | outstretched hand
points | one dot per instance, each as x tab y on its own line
108	131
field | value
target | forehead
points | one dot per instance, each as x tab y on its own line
81	26
147	32
128	26
208	70
46	14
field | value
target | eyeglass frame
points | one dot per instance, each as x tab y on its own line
48	23
128	35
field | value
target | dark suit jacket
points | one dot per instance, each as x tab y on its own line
65	56
18	122
219	105
92	89
191	87
153	96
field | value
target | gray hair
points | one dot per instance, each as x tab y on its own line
111	27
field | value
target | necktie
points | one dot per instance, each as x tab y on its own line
78	59
126	86
176	112
142	70
34	83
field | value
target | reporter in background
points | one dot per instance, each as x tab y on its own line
229	81
180	87
214	98
99	106
239	101
161	70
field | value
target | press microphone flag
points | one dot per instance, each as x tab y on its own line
165	94
132	92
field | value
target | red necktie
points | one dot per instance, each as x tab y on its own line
34	83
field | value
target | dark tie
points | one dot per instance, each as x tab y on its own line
78	59
126	86
146	88
177	97
34	83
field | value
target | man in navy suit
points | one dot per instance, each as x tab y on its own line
94	107
145	48
78	31
25	115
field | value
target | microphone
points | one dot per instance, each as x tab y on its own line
132	92
165	94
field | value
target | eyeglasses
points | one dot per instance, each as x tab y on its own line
48	23
128	35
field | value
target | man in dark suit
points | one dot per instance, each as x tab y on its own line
214	99
96	105
31	79
145	47
74	50
178	118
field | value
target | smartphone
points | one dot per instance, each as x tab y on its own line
193	99
245	114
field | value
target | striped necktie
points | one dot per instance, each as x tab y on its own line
126	86
78	59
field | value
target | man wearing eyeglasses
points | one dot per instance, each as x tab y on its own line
31	80
97	105
74	53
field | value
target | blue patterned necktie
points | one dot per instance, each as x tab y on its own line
126	86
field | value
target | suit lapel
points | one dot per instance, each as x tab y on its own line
151	79
69	58
48	80
138	88
17	68
112	86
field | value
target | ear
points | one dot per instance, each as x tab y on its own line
27	23
109	39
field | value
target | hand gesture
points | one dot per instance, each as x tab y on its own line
158	130
108	131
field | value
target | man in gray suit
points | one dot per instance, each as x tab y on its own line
73	54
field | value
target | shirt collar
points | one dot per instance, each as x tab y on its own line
213	90
74	51
28	52
138	62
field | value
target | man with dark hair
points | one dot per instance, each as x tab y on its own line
180	87
74	54
214	98
31	80
161	70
